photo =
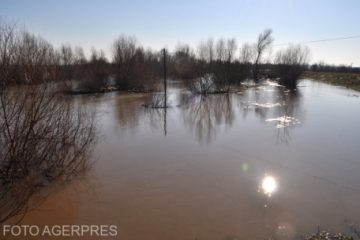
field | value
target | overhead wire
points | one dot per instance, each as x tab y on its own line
321	40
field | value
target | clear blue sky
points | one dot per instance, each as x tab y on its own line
160	23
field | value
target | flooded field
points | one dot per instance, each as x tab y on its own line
258	164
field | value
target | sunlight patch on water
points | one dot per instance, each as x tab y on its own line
269	185
265	88
266	105
284	121
272	83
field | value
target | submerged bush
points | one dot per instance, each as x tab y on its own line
43	136
290	64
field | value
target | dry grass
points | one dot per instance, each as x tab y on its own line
348	80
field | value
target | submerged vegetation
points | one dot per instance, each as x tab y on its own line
290	64
44	137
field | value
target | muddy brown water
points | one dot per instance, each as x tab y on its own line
258	164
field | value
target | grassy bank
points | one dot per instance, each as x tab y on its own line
349	80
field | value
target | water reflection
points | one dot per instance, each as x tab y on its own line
269	185
64	201
290	114
274	105
270	101
204	115
172	187
128	109
156	118
136	110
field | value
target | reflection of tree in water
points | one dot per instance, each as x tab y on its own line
64	201
157	118
128	110
290	107
131	110
205	114
274	104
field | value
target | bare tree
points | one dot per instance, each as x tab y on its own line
246	54
223	77
263	43
210	49
8	49
35	60
206	50
94	74
201	51
231	48
220	50
184	61
124	50
79	55
67	55
79	68
132	71
43	136
290	63
66	62
293	55
204	83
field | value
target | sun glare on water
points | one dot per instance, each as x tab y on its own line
269	185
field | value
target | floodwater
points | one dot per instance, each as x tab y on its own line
259	164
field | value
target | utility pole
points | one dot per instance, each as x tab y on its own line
165	91
165	126
165	87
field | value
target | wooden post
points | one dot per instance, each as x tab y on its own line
165	87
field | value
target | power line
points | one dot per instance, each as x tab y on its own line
321	40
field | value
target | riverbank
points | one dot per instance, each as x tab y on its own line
348	80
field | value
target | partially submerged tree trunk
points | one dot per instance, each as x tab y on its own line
263	43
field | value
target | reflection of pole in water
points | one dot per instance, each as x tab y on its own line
165	91
165	87
165	116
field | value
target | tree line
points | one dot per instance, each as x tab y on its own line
323	67
213	66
